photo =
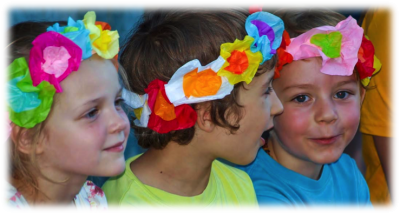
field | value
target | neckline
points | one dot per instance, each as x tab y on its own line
285	173
167	198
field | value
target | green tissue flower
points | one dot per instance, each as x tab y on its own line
44	92
329	43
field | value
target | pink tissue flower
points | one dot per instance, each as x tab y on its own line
52	58
56	60
352	34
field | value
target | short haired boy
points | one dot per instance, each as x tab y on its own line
321	92
198	61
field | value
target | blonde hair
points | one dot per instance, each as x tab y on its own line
24	169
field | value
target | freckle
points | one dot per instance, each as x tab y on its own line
160	171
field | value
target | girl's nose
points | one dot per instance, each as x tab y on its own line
118	121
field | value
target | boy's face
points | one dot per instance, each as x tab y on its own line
260	104
87	129
321	112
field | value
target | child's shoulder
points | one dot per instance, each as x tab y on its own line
11	200
234	183
122	188
263	164
92	189
91	196
344	161
345	166
225	172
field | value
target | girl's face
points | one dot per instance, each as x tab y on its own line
321	112
260	104
87	130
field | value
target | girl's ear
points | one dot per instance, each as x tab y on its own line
22	140
204	121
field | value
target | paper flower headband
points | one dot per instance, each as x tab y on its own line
342	48
165	108
54	55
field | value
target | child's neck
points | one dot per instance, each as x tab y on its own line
54	193
180	170
303	167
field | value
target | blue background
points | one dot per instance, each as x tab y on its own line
124	21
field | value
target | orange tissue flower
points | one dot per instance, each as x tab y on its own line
201	84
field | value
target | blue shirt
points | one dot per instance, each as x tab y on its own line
340	183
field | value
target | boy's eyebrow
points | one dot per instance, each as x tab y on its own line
345	82
298	86
266	84
311	85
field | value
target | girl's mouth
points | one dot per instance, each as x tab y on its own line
119	147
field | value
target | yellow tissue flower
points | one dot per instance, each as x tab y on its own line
254	60
104	42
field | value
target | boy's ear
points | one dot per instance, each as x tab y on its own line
204	121
23	141
362	95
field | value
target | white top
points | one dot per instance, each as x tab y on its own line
90	196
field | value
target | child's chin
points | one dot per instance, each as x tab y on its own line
327	160
117	169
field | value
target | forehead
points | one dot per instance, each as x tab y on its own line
95	76
262	79
307	71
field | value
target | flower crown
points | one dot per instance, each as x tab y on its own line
342	48
165	108
54	55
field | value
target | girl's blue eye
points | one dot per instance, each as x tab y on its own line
301	98
342	94
119	101
269	90
92	113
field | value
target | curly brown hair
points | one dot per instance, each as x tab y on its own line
166	40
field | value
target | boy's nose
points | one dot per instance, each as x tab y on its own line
325	111
276	106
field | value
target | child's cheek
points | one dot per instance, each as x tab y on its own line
350	116
294	120
128	126
98	131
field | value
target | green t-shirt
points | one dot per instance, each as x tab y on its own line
226	186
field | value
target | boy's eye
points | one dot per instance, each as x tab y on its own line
92	113
301	98
269	90
342	94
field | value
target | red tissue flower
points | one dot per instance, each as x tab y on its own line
365	64
161	119
283	56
